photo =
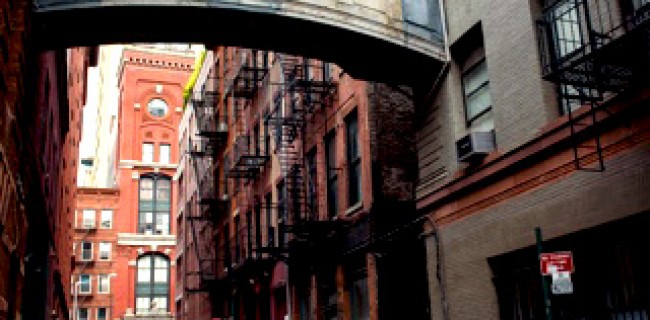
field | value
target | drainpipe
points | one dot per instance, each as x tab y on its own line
440	269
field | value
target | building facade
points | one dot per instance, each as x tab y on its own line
305	180
134	256
41	120
558	90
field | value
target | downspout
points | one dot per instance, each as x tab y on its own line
440	270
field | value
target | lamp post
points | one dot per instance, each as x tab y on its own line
75	315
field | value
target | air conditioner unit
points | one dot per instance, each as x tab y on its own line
475	145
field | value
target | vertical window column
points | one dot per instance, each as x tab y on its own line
353	159
331	174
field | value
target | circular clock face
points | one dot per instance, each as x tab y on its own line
157	107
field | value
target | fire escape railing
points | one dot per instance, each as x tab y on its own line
308	86
593	50
211	196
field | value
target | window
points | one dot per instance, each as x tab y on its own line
354	159
85	285
103	283
157	107
478	104
165	151
104	251
237	238
154	205
359	305
152	284
332	174
269	219
147	152
102	313
82	314
86	250
88	218
106	221
566	28
312	175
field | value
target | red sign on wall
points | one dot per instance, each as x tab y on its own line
556	262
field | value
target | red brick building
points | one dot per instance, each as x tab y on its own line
134	255
298	189
42	97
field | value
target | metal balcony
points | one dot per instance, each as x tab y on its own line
595	44
249	74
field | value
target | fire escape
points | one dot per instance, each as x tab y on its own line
593	50
249	153
212	200
306	88
88	227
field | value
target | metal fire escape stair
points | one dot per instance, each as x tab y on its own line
612	56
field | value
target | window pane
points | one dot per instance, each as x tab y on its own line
147	152
102	313
89	214
159	303
102	283
478	102
104	250
142	304
83	314
475	78
160	275
165	150
162	223
107	219
567	28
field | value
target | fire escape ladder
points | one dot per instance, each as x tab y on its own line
593	50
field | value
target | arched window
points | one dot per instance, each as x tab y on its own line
152	284
154	205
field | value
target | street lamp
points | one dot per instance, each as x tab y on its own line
75	287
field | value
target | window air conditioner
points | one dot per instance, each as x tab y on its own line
475	145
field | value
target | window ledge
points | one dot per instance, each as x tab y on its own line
354	209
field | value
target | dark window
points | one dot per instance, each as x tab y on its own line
332	174
354	159
269	219
152	284
249	233
282	211
237	238
154	205
258	224
312	176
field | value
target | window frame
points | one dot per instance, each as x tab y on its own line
82	258
87	317
106	314
110	248
353	164
469	120
90	284
153	147
152	270
155	177
331	175
107	278
110	220
312	180
92	212
160	153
